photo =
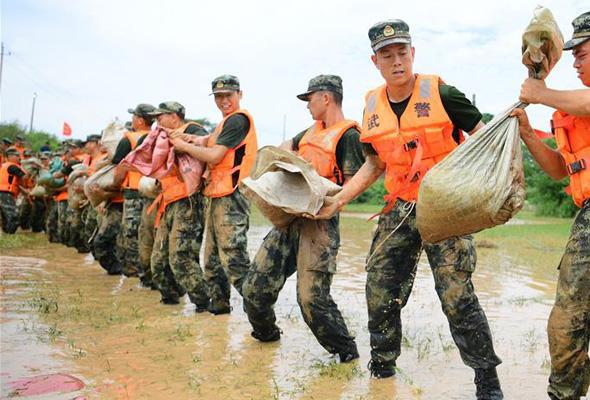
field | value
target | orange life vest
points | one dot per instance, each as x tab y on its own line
21	150
63	195
318	147
573	142
8	182
423	137
220	177
132	179
94	161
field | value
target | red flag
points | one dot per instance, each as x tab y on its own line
67	131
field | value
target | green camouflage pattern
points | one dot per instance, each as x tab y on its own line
25	212
78	236
63	231
39	214
108	241
581	33
168	107
226	254
569	322
71	233
142	110
391	269
389	32
330	83
309	248
146	238
91	223
131	217
175	256
225	84
52	221
8	212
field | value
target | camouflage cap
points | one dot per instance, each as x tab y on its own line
225	84
6	141
168	107
93	138
74	143
142	110
28	152
330	83
581	31
20	138
45	155
389	32
12	151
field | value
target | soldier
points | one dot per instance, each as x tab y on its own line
41	203
309	247
11	178
51	224
175	257
230	155
90	216
4	145
133	203
394	122
569	322
19	145
26	204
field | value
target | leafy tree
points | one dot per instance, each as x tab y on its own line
35	139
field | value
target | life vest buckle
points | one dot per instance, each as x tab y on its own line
411	145
415	177
576	167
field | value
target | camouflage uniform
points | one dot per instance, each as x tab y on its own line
226	253
175	255
132	207
391	268
108	240
69	227
91	223
309	248
147	233
39	214
9	212
51	222
569	323
78	234
25	212
63	232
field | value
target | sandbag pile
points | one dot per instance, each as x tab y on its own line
149	187
76	197
101	186
32	166
112	135
480	184
284	186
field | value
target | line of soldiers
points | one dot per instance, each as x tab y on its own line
411	119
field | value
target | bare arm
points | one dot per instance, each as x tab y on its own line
212	155
477	127
574	102
353	187
548	159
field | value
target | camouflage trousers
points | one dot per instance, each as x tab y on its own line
71	233
25	212
51	223
39	213
78	236
146	238
175	256
9	212
391	268
309	248
132	207
108	241
91	223
63	230
226	253
569	322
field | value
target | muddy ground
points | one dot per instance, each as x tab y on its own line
62	314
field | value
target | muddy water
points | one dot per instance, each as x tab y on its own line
62	314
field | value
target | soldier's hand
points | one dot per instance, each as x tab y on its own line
329	209
180	145
100	209
175	134
525	128
531	90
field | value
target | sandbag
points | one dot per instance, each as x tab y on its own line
32	166
40	191
100	186
112	135
76	180
480	184
46	180
284	186
149	187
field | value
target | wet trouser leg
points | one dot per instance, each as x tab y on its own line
62	228
146	236
108	242
452	262
91	227
26	208
161	272
51	223
185	238
78	233
9	212
132	207
71	233
38	214
569	323
226	254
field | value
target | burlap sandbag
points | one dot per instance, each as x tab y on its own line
32	166
112	135
76	180
149	187
100	186
40	191
284	186
480	184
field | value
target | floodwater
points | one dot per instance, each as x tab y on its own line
62	314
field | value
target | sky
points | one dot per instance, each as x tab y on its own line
89	61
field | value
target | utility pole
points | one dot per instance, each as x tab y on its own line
32	113
473	101
2	62
284	126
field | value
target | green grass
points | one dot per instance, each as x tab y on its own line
363	208
22	239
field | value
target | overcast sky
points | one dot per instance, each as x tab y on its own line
89	61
